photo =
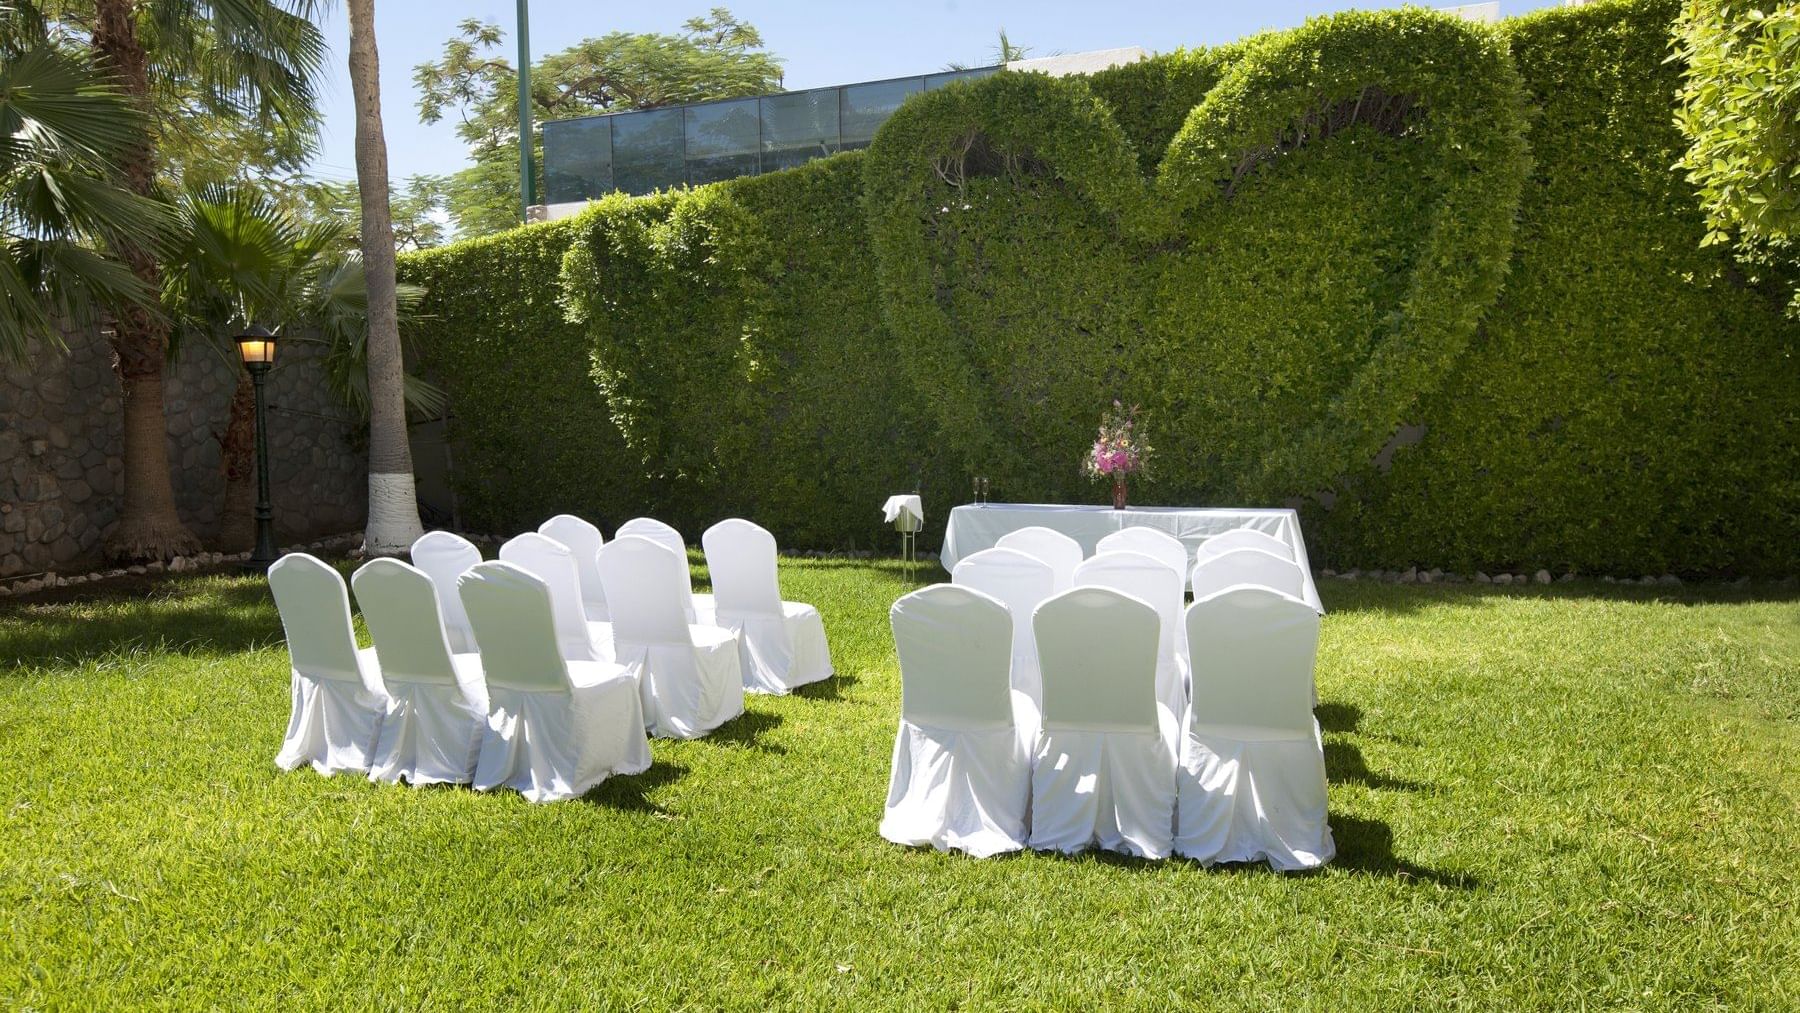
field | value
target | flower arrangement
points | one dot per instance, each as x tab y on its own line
1120	450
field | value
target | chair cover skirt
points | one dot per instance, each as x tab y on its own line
551	745
687	689
334	723
1113	790
1252	801
431	733
778	653
962	789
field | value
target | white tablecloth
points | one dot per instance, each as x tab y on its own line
976	527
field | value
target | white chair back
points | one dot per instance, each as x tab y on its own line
1020	582
658	532
1254	675
955	647
584	541
646	589
551	562
444	557
400	606
1059	550
1145	578
1152	542
1243	538
740	556
1247	566
315	616
510	610
1097	652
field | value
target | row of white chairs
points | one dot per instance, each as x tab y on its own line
978	769
781	644
517	714
1030	565
490	673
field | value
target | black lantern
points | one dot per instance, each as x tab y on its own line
256	346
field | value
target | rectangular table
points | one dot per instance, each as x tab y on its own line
973	527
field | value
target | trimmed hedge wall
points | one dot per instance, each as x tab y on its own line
1630	407
1288	249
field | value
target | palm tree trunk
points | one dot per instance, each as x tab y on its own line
149	527
393	502
237	459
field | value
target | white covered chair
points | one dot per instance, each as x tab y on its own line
1103	771
584	541
689	676
669	538
555	728
338	699
1059	550
1213	574
781	644
1021	582
551	562
961	774
1152	581
1243	538
1252	782
444	557
436	700
1152	542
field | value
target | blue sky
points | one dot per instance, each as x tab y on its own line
822	43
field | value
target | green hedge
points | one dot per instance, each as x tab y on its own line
1287	249
530	436
1629	407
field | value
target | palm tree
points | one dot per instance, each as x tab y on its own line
254	58
240	257
393	502
63	125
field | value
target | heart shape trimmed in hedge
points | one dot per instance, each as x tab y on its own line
1031	273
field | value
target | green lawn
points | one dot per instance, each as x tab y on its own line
1576	795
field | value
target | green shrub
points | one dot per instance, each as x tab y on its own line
1289	249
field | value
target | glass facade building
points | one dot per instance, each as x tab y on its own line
653	149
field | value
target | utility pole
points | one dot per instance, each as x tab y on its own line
527	185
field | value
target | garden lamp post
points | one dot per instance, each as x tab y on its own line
256	346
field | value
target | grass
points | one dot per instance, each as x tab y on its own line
1576	795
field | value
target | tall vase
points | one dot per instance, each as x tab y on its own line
1119	490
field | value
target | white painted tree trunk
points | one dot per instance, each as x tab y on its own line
393	503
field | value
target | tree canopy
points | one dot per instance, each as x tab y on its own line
714	56
1740	110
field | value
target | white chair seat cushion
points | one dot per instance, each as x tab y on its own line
431	733
687	689
333	724
549	746
1113	790
1253	800
957	788
595	611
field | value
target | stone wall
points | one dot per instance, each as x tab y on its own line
60	439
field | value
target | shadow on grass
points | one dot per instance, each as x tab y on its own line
631	792
826	689
1344	760
1366	847
1342	596
198	614
747	731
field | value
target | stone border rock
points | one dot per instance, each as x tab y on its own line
180	564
